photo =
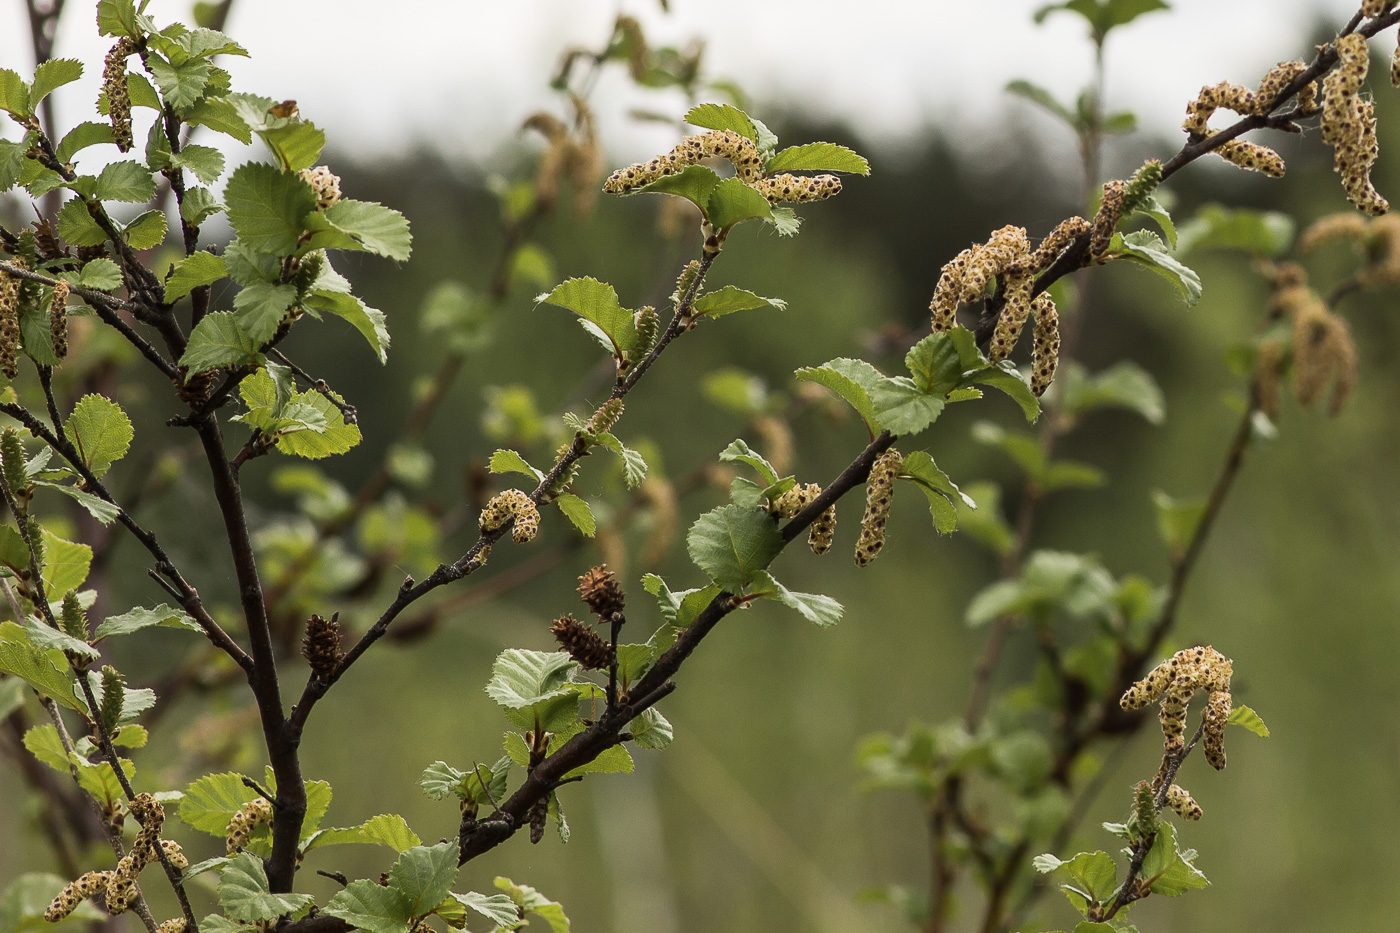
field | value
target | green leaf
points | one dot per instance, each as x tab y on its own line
125	181
371	227
1177	520
268	207
851	379
722	117
221	116
261	307
44	744
633	464
101	274
521	679
218	341
51	75
1266	234
1103	15
14	95
180	85
818	157
822	610
244	893
336	438
12	162
206	43
146	230
1093	875
46	671
387	829
734	202
100	509
1159	215
740	452
901	408
117	18
24	901
1249	719
423	876
1148	250
596	302
695	183
732	544
651	730
986	524
371	907
368	321
39	635
577	512
1124	384
211	801
76	226
205	162
498	908
1071	474
190	273
679	609
942	493
100	430
1045	100
730	299
508	461
199	204
536	903
138	619
1169	870
1050	581
1005	378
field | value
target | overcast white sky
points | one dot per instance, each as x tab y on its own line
383	77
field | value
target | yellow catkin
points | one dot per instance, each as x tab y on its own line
1374	8
1217	713
1047	344
1002	250
739	150
1323	353
1175	680
251	815
120	893
1383	251
1344	226
118	97
798	188
879	494
1068	230
58	319
1266	99
795	500
94	882
1217	97
527	521
1014	313
324	183
1349	125
9	323
1253	156
947	294
501	509
1182	803
178	925
823	530
1106	220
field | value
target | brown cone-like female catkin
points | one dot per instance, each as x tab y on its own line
582	643
600	589
1047	344
879	493
321	646
67	901
1182	803
118	98
58	319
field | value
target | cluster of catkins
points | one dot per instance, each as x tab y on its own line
256	812
1378	239
1243	101
601	591
512	504
823	529
1320	344
748	166
1007	256
119	885
1174	682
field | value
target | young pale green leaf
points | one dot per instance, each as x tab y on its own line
521	678
733	202
206	43
205	162
740	452
268	207
100	509
942	493
730	299
52	75
508	461
125	181
1005	378
440	779
634	466
651	730
66	563
1247	718
423	876
986	524
1167	869
371	907
527	898
131	736
1071	474
596	302
1045	100
14	95
218	341
118	18
679	609
498	908
244	893
100	430
818	157
821	610
577	512
1154	210
46	671
901	408
1093	875
146	230
180	85
41	636
101	274
1103	15
732	544
12	161
211	801
199	205
368	321
76	226
695	183
261	307
388	829
1147	249
851	379
1124	384
1177	520
314	442
370	227
138	619
220	115
1265	234
192	272
723	117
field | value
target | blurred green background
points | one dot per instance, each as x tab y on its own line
753	819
